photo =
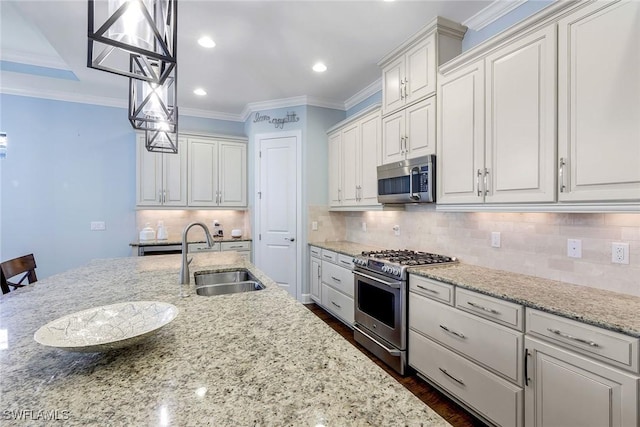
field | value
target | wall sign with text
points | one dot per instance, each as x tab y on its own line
279	123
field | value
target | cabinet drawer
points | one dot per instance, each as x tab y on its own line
202	247
329	255
611	347
496	347
496	399
338	277
500	311
236	246
345	261
431	289
315	251
338	303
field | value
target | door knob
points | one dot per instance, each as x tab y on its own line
291	239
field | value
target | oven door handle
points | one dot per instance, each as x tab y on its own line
394	285
391	351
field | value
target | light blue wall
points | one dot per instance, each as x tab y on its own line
376	98
69	164
473	38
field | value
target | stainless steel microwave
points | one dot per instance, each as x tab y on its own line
407	181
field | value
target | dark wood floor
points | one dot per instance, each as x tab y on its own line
445	407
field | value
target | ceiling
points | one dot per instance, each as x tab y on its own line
264	50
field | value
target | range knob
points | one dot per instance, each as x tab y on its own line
396	271
385	269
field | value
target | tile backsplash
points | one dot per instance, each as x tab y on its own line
176	220
531	243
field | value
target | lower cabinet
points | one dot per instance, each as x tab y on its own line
567	389
331	283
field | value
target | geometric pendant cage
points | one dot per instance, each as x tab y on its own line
151	104
161	141
129	32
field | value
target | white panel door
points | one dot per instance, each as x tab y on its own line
420	130
421	70
350	164
233	174
599	102
277	211
520	117
461	135
392	97
393	138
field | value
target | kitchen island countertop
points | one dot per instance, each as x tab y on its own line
257	358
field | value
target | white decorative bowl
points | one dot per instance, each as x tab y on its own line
107	327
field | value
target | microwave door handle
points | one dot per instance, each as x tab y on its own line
413	196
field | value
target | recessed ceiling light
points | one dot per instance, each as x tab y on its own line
319	67
206	41
200	92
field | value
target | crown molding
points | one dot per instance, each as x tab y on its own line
290	102
491	13
365	93
215	115
80	98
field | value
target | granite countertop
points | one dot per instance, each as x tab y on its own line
606	309
174	241
256	358
345	248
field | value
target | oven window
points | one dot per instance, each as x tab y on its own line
377	303
397	185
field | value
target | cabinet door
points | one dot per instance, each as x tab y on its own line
335	169
233	174
565	389
370	154
350	164
599	102
461	135
315	279
174	170
393	138
148	176
520	120
420	130
420	74
392	95
203	172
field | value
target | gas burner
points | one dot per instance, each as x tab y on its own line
395	262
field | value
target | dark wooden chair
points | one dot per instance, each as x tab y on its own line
24	265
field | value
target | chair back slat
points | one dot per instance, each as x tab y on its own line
22	265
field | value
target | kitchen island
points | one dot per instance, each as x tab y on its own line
255	358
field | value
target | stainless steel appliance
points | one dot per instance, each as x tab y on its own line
381	286
407	181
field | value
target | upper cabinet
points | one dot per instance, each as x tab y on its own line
599	103
161	178
409	72
502	150
207	172
354	155
410	132
217	173
545	113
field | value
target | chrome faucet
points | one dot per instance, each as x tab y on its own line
184	269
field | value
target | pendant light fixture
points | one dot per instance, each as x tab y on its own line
128	37
161	141
152	105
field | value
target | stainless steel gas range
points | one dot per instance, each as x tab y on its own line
381	301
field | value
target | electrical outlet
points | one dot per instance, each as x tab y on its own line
314	225
574	248
396	230
98	226
495	239
620	253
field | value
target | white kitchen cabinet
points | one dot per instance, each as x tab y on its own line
502	151
354	154
161	178
599	103
217	173
315	274
409	133
566	389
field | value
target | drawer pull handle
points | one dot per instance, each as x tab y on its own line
346	262
444	371
479	307
337	305
571	337
328	257
336	279
458	334
433	291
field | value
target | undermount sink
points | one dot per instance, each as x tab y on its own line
226	282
